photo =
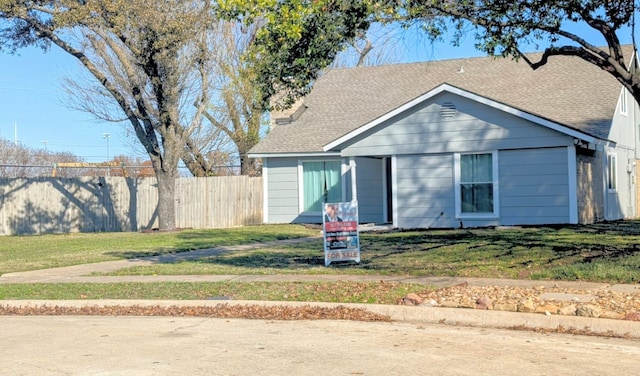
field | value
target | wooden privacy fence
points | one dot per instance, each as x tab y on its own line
102	204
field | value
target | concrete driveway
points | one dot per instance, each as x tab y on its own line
90	345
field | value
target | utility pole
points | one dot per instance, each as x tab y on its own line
106	136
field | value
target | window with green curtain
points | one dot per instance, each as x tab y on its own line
476	183
321	182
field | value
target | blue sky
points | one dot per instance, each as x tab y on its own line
32	101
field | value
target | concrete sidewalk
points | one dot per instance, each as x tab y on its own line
81	273
454	316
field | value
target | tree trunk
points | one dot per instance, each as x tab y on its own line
166	200
245	164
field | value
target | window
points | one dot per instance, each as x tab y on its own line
321	182
476	184
612	176
623	102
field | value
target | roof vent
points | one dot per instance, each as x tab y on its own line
448	110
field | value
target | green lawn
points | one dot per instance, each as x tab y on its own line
20	253
339	292
608	252
604	253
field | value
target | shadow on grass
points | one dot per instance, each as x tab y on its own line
593	253
625	227
435	251
196	239
606	241
274	260
132	255
189	240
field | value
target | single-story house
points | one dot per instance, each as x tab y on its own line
457	143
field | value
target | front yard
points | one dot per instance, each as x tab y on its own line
607	252
600	253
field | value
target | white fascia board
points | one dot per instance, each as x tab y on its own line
465	94
284	155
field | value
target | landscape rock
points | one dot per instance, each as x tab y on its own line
509	307
412	299
527	306
614	304
430	303
611	315
568	310
450	304
588	310
547	308
467	304
634	316
483	302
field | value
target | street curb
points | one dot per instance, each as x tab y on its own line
511	320
406	314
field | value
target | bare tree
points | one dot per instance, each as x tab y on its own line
235	112
150	57
19	161
234	116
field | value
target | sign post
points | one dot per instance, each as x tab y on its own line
340	228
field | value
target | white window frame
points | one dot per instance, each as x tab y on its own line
458	190
301	182
624	102
612	172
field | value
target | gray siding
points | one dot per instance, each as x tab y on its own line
282	189
623	129
619	203
425	191
474	127
370	190
533	169
534	186
533	189
622	203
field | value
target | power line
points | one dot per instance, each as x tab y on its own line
25	88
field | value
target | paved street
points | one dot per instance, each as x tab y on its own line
77	345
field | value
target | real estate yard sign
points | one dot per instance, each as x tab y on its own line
340	228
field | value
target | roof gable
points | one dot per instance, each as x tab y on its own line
568	94
336	144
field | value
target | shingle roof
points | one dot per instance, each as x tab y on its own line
567	90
